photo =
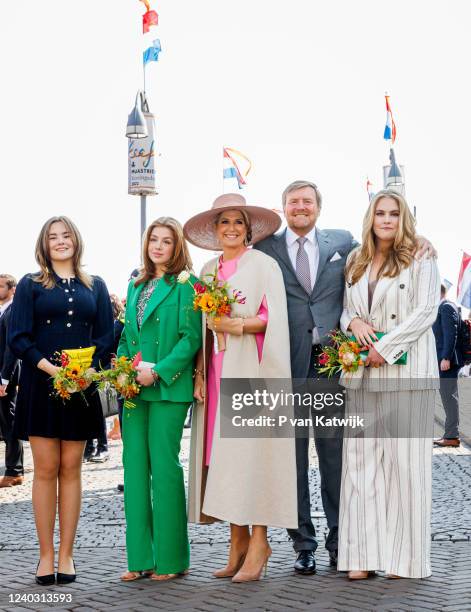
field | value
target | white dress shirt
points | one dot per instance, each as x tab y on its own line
4	306
311	247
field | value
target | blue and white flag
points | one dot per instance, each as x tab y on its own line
152	53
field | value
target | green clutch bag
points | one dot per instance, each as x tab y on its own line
401	361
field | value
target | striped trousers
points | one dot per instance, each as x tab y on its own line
386	488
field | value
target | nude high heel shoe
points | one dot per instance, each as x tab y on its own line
359	575
228	572
242	576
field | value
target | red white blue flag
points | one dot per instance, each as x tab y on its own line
233	160
390	128
464	282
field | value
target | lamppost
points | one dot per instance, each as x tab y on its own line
141	172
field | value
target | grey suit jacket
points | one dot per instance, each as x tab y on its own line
323	307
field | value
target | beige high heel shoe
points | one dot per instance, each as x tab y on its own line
359	574
228	572
242	576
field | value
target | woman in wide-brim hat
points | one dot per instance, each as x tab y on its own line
249	482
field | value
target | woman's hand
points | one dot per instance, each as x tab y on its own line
226	325
46	366
145	377
198	392
363	332
90	371
374	359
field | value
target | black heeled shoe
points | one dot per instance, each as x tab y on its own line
46	580
66	578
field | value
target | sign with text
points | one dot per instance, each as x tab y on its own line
141	153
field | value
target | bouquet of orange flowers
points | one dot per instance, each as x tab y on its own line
343	355
122	376
74	374
214	298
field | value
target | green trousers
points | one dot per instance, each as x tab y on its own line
154	489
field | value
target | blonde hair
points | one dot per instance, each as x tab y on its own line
180	259
46	273
400	255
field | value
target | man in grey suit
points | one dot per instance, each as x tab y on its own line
312	262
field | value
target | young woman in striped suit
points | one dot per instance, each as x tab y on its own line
386	490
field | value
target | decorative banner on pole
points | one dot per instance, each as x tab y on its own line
151	54
390	128
141	154
464	282
231	168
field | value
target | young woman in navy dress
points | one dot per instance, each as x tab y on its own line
59	307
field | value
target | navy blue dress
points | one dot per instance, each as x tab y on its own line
43	322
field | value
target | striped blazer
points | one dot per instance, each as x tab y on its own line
404	308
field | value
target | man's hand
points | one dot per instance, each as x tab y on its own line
374	359
424	247
3	390
445	365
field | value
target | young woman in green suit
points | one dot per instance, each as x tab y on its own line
161	324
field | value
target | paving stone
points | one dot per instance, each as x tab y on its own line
101	556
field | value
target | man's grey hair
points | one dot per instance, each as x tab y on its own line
300	185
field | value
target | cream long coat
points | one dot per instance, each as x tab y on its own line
404	308
250	481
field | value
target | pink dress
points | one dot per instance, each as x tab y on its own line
225	270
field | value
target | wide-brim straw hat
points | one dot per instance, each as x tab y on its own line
200	230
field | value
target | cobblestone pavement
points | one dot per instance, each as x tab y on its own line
464	393
100	555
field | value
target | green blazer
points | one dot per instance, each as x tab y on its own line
170	336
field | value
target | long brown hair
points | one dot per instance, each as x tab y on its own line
400	255
46	273
180	259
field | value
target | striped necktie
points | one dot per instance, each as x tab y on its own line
302	266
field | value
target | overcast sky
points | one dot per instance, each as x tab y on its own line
297	86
